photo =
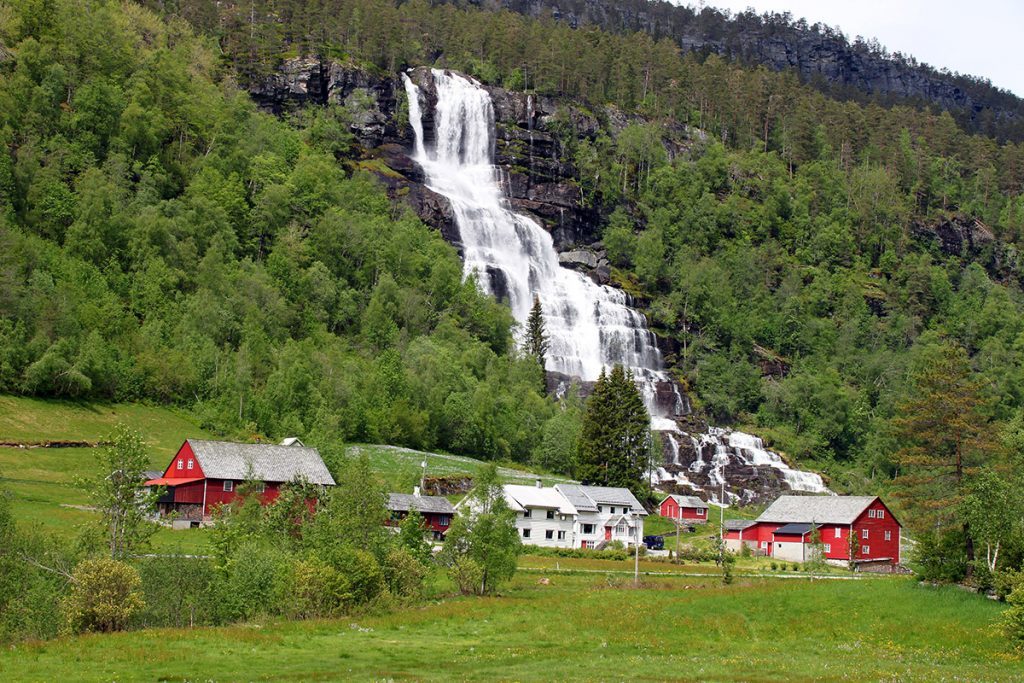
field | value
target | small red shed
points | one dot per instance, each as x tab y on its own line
684	508
204	474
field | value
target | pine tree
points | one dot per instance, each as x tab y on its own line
537	338
614	444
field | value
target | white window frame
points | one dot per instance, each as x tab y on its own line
880	514
561	535
551	514
229	486
549	534
839	532
526	513
191	463
181	464
588	544
526	533
828	548
865	550
888	535
260	487
864	533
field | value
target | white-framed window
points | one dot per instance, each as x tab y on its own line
260	487
549	534
828	548
229	486
880	514
764	544
526	533
600	508
701	512
864	533
526	513
181	464
613	509
561	535
191	463
888	535
588	544
865	550
551	514
621	528
444	520
588	528
838	533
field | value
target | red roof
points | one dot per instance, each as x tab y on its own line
165	481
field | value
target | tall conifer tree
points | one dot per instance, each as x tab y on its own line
537	338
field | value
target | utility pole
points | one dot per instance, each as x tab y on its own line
636	550
423	476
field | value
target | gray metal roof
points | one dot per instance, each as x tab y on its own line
260	461
794	529
611	495
819	509
574	494
405	502
739	524
686	501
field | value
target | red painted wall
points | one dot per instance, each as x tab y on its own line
183	457
871	532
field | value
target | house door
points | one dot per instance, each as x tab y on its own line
607	533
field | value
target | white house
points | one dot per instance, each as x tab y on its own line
575	516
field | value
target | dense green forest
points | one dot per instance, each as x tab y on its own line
160	239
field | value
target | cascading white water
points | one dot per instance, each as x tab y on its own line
590	327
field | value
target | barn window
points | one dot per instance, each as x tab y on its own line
864	533
181	465
551	514
865	549
838	534
229	485
880	514
260	487
701	512
549	534
828	547
888	535
526	533
191	463
443	520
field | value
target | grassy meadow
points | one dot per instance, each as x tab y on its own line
578	627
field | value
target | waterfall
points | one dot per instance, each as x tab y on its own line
590	327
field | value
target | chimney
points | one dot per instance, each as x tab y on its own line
538	483
416	491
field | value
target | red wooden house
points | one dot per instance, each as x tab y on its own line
684	508
437	511
204	474
784	530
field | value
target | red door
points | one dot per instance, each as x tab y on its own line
607	533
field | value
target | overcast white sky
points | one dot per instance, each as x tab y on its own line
978	37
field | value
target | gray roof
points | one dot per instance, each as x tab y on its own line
260	461
686	501
795	529
574	494
612	495
404	502
819	509
739	524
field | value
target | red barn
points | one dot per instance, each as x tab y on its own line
784	529
204	474
684	508
437	511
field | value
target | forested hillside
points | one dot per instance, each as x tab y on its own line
161	240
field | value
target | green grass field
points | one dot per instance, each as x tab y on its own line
580	627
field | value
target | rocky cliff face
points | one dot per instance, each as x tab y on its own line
539	179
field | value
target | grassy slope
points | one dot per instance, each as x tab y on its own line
41	480
581	627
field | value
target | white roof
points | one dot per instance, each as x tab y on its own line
818	509
614	495
538	497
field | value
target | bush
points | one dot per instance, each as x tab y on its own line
105	595
361	571
1013	617
177	591
466	574
249	582
774	566
796	566
404	574
313	588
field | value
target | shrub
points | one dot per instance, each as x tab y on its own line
404	574
796	566
1013	617
177	591
774	566
313	588
466	574
105	595
361	571
248	583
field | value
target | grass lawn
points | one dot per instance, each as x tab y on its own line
580	627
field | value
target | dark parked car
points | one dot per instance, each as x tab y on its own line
654	542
